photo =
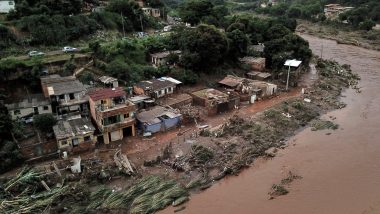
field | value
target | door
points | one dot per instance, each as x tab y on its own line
35	109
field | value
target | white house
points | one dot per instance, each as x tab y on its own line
6	6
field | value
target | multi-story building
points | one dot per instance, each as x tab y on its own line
67	94
113	113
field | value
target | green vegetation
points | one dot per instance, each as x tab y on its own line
363	16
44	122
9	153
46	22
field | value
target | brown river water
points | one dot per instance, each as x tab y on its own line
341	171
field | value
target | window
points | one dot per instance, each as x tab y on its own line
112	120
63	142
159	92
75	142
35	109
16	112
72	96
126	116
170	89
61	97
46	108
103	102
10	2
87	138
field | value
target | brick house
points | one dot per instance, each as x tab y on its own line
113	114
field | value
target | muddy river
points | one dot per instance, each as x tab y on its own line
341	170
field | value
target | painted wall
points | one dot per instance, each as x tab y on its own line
27	111
68	145
6	6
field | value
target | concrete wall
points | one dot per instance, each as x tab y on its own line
27	111
69	145
153	128
6	6
164	92
170	122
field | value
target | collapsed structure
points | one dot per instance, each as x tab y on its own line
33	104
247	89
215	101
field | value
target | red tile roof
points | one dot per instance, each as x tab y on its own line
105	93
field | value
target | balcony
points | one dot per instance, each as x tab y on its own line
115	108
118	125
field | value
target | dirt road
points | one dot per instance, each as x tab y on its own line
340	169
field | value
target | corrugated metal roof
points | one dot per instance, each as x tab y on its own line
177	82
105	93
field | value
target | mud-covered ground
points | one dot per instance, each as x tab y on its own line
342	34
172	173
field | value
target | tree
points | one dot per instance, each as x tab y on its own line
205	45
367	25
294	12
193	11
237	43
10	156
44	122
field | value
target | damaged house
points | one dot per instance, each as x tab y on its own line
109	82
215	101
248	89
158	119
256	63
67	94
31	105
113	114
155	88
75	134
160	58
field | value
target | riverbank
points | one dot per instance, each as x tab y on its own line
339	168
342	34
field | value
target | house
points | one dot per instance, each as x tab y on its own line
113	114
256	63
259	48
215	101
332	11
248	88
75	134
67	94
159	58
31	105
142	101
155	88
158	119
109	82
256	75
6	6
154	12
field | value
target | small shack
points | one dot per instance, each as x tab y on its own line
155	88
256	75
109	82
142	101
75	134
158	119
215	101
256	63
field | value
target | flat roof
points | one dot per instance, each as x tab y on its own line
58	85
155	84
152	116
71	128
293	63
30	101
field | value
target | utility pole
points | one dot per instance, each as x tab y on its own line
122	23
287	79
142	28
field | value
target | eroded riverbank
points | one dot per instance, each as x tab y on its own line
340	171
